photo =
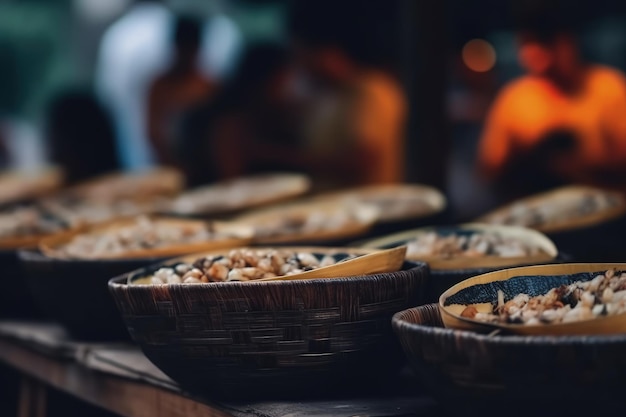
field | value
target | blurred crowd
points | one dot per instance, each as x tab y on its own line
327	99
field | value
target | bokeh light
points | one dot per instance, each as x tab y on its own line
479	55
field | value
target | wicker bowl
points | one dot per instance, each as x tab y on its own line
271	339
467	371
74	292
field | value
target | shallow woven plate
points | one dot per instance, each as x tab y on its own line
241	235
482	290
365	217
422	200
136	185
528	236
547	198
240	193
18	186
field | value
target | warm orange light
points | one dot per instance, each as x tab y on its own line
479	55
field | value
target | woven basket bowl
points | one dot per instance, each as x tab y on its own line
74	292
515	375
271	339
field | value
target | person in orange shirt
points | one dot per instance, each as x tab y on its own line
562	122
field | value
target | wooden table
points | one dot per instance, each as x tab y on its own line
133	398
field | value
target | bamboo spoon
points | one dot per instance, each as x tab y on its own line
388	260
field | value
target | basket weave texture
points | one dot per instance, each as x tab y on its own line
279	338
466	370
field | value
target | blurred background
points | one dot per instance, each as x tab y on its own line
464	95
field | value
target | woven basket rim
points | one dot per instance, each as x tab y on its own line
121	280
401	324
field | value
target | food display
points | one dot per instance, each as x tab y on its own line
134	185
240	193
25	221
470	245
18	186
144	236
309	222
394	202
565	206
245	264
79	211
143	233
604	295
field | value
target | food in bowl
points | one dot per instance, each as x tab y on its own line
604	295
141	234
245	264
473	244
26	221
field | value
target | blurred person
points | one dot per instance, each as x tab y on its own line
354	131
80	136
564	121
134	50
176	91
249	119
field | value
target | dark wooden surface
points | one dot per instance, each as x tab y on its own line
119	379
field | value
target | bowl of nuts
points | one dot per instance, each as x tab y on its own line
222	320
565	299
82	261
457	252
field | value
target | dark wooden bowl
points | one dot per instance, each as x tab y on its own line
74	292
468	372
271	339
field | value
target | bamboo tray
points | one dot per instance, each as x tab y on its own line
532	280
18	186
241	235
555	197
240	193
419	200
364	218
162	181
